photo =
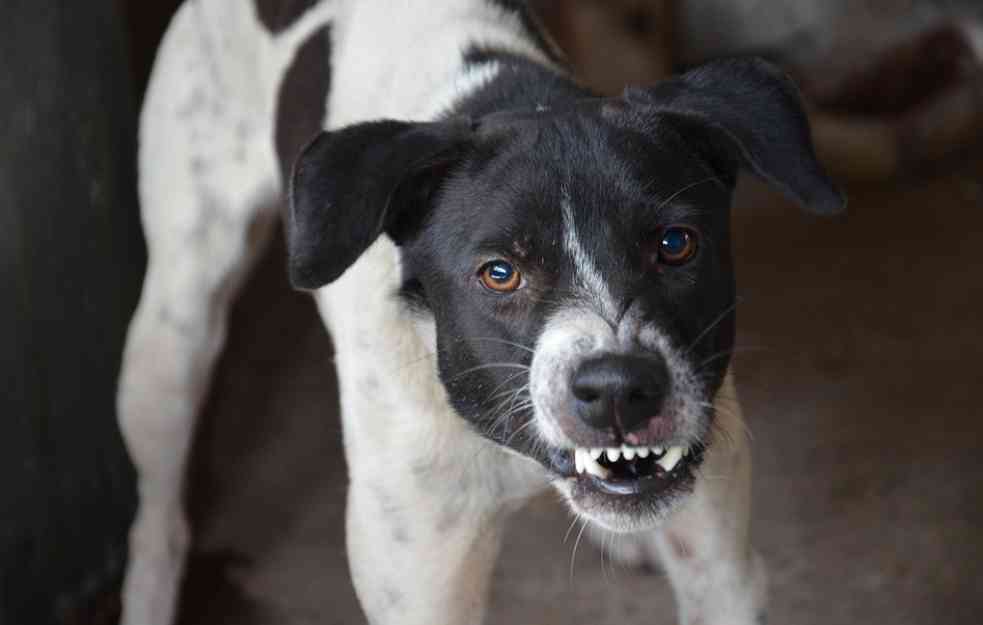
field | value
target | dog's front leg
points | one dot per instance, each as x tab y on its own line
423	533
704	547
420	557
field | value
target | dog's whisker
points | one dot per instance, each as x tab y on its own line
494	394
714	478
510	401
517	432
509	391
607	544
679	192
570	529
507	417
573	555
504	342
735	416
728	352
491	365
713	324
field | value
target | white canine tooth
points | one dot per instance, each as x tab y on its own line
643	452
596	453
657	451
671	459
628	452
686	453
591	466
578	458
613	454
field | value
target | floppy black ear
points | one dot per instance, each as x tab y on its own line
351	185
751	111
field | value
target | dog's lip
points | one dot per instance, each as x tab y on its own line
625	497
649	485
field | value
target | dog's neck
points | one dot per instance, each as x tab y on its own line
504	81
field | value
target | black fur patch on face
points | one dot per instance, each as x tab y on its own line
504	201
518	165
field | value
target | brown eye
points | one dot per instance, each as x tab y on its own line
500	276
676	245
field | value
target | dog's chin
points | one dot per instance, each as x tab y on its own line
625	496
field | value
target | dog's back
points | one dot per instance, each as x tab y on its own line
210	185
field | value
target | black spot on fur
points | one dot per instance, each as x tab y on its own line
400	534
278	15
393	597
302	99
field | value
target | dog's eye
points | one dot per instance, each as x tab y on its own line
677	245
500	276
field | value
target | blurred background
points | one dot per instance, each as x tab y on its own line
859	362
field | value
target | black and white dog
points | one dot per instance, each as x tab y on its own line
527	285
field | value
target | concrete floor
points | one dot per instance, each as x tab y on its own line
860	382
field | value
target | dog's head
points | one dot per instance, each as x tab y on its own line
575	263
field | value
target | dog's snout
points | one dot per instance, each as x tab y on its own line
619	391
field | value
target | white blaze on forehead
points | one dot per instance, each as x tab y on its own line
588	276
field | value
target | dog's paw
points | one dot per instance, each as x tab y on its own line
158	549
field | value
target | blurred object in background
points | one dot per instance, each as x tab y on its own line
71	262
896	86
613	43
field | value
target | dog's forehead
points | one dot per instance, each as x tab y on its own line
532	177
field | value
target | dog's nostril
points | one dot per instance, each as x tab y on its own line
587	395
586	392
619	390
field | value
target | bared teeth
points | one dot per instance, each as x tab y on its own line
586	462
671	459
587	459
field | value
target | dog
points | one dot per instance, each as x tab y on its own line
527	285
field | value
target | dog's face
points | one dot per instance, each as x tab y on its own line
575	264
578	275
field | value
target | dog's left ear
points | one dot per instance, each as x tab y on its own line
351	185
751	115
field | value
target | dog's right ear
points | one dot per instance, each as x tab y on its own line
349	186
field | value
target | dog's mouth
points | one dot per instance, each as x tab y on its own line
627	474
634	470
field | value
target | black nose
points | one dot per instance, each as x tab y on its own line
619	390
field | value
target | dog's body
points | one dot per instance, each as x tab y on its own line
431	479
